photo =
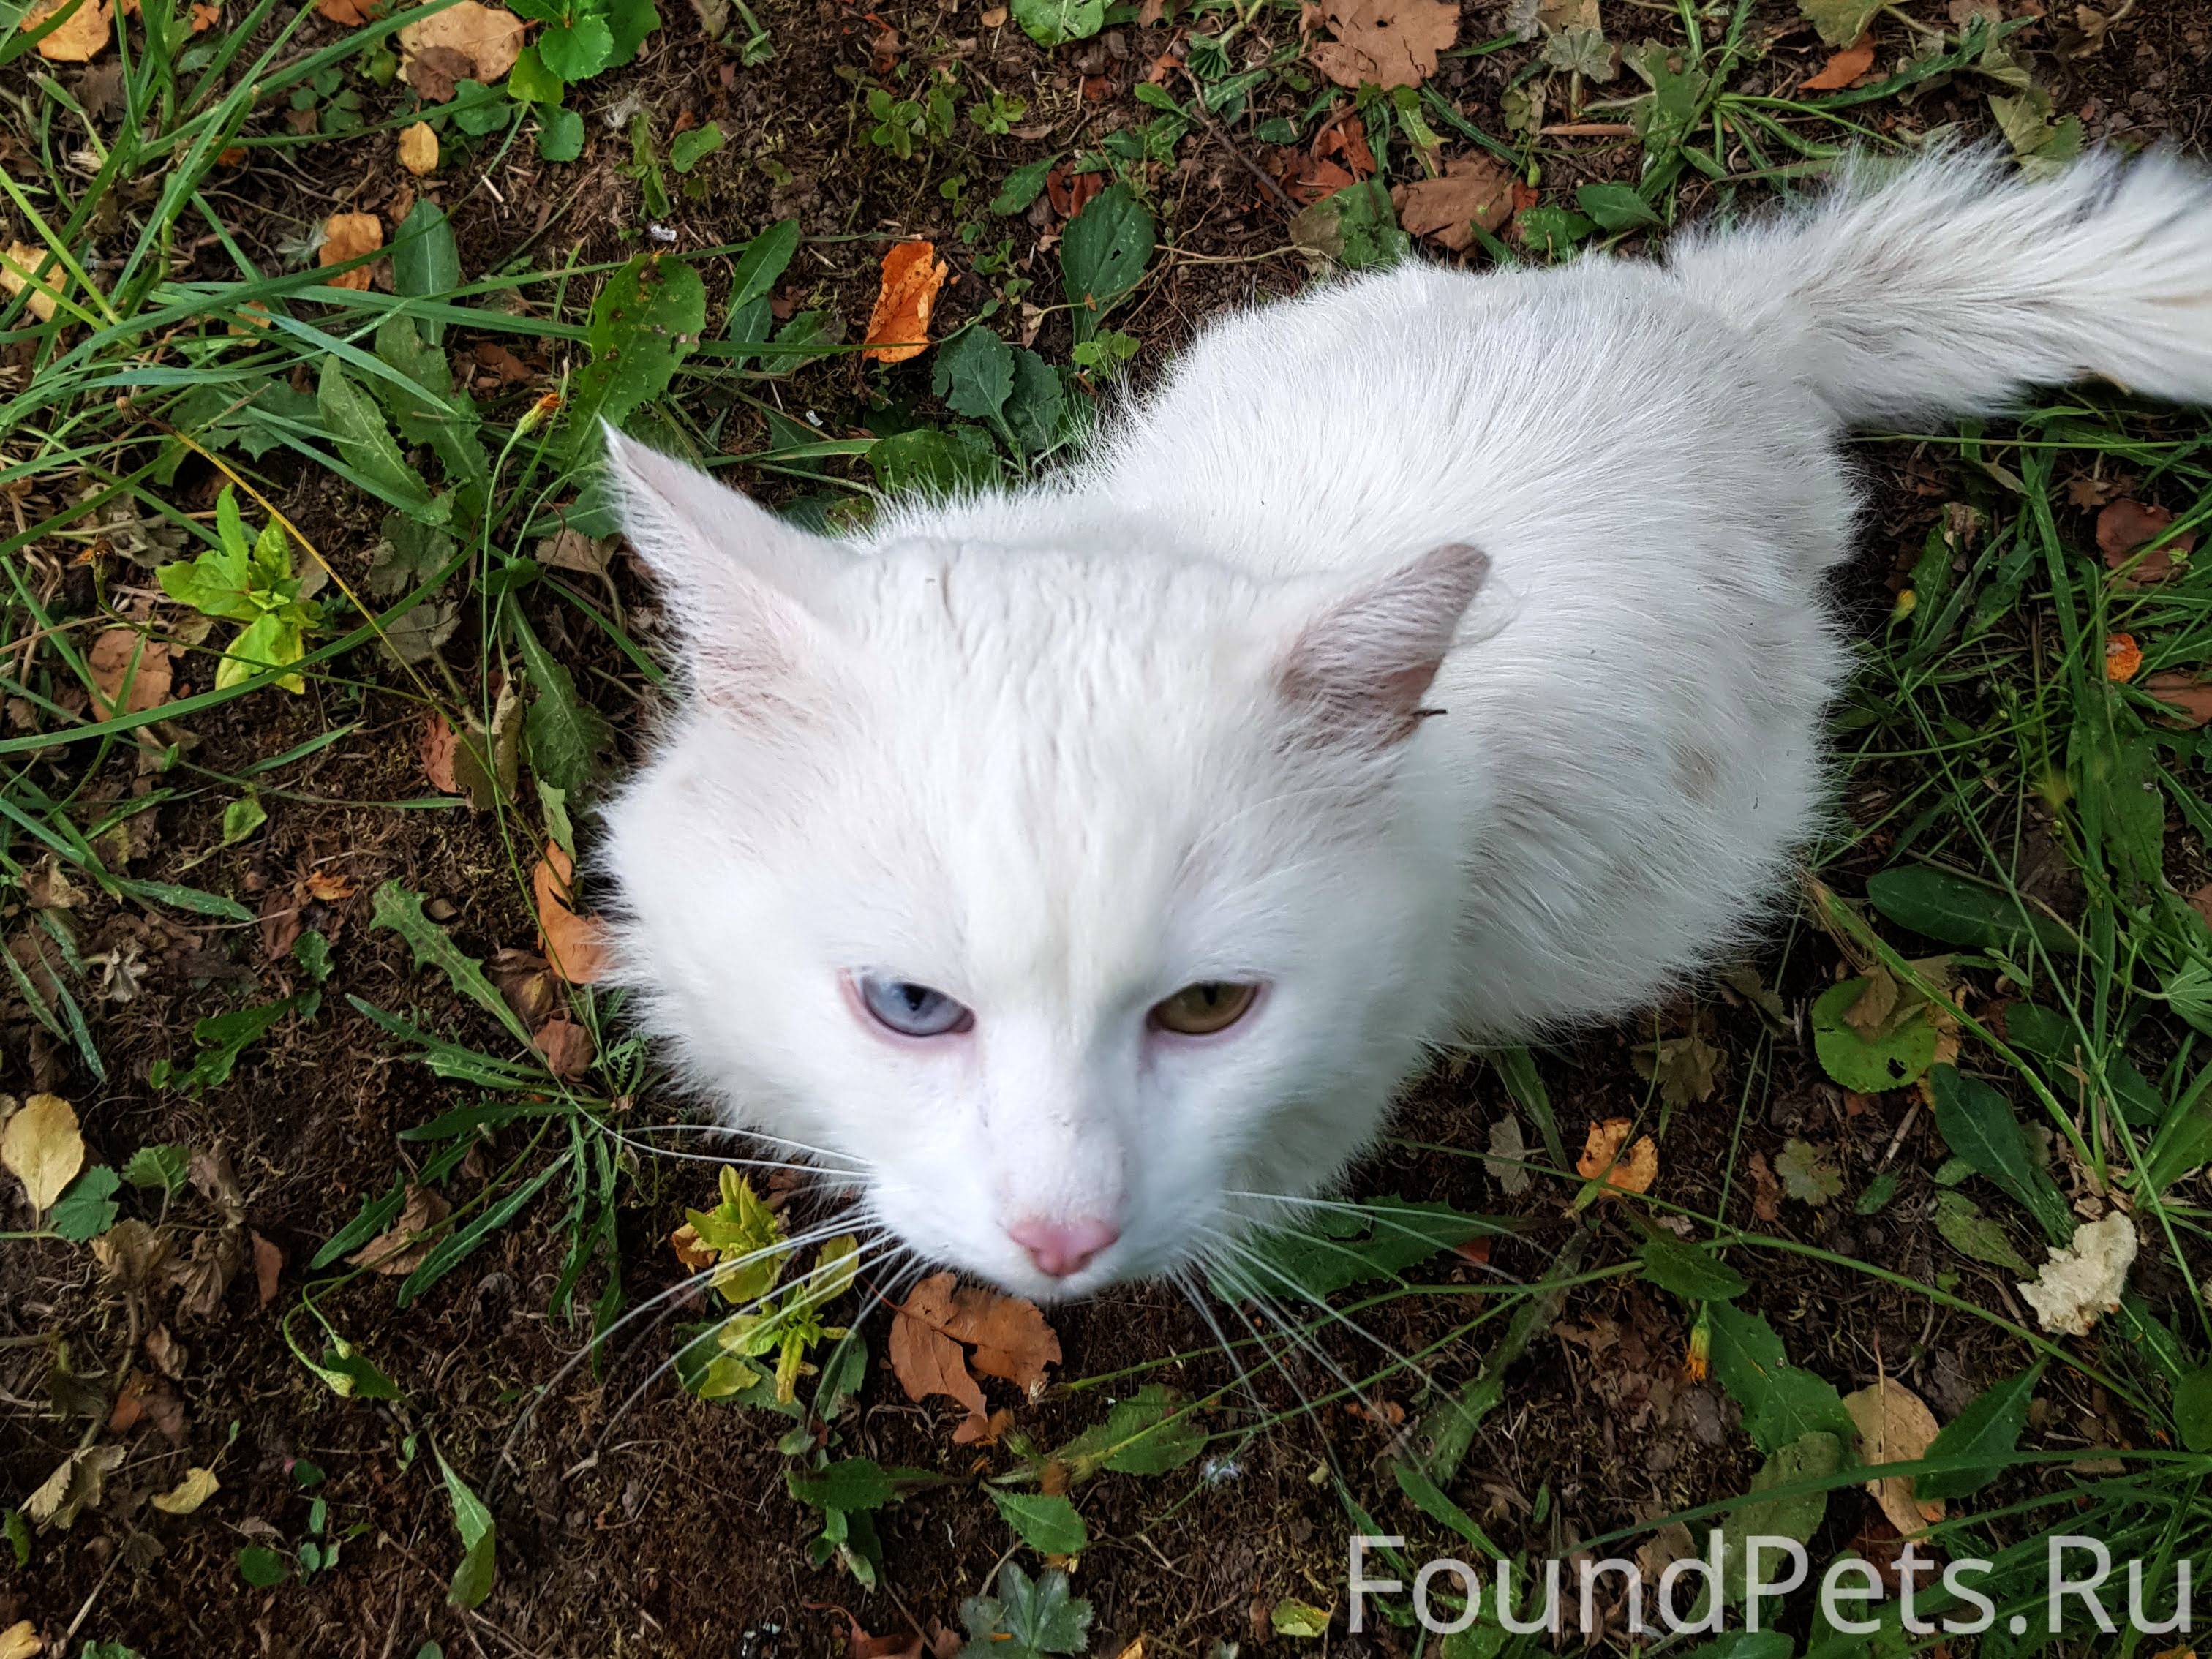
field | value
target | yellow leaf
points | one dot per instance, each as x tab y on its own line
1895	1426
21	1641
486	36
19	270
42	1149
418	149
1632	1171
350	236
189	1493
78	40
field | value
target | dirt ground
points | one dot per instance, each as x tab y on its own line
663	1527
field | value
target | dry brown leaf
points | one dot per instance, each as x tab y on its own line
348	14
21	1641
19	270
268	1264
1845	67
567	1047
1632	1172
1766	1191
2187	696
1012	1339
1871	1013
1475	190
1385	42
400	1248
169	1356
1895	1426
440	741
189	1493
437	72
689	1251
121	654
898	328
2125	525
489	38
571	550
328	885
418	149
75	1486
927	1361
350	236
78	40
575	946
42	1148
859	1644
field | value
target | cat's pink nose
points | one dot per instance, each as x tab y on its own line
1061	1248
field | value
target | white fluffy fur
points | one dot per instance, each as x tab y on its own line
1062	751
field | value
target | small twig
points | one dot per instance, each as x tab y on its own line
1206	120
1589	130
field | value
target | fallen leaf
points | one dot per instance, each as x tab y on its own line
78	40
440	741
1385	43
567	1047
169	1356
1070	192
1686	1068
73	1488
2186	695
490	38
1807	1173
2079	1283
1011	1339
129	1251
121	654
571	550
859	1644
898	328
2122	657
1766	1191
1871	1012
268	1265
19	270
1895	1426
349	236
575	946
689	1251
418	149
328	885
400	1248
1475	190
2201	902
1601	1155
21	1641
436	73
348	14
1845	67
189	1493
1509	1154
42	1148
2125	525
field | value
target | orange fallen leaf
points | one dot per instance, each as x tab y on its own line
205	16
575	946
689	1251
489	38
348	14
898	328
418	149
124	654
1385	43
19	270
2187	696
1474	191
1895	1426
1011	1339
440	741
2122	656
2125	525
859	1644
350	236
1845	67
1602	1157
328	885
80	38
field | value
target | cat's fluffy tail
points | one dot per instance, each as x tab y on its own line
1952	285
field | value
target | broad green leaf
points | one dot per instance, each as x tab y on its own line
1357	226
1616	207
1877	1195
1955	911
1046	1522
1333	1248
87	1208
1027	1617
1302	1619
854	1483
1900	1053
426	262
1103	252
1037	410
2192	1410
158	1166
241	819
1840	22
1960	1220
1553	231
1023	185
630	21
1979	1124
1694	1274
1987	1428
1795	1516
364	442
687	149
1781	1403
530	83
272	639
646	321
262	1567
579	51
569	740
560	135
473	1578
975	373
923	459
433	413
765	258
1151	1432
396	908
1056	22
352	1374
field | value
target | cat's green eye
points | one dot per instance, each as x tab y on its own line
1200	1010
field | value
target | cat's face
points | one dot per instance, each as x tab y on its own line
1062	894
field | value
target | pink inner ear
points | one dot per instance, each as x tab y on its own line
1360	669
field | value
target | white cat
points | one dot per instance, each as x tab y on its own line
1433	656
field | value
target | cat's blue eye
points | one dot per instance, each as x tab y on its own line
911	1010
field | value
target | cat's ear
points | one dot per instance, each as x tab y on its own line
744	584
1357	671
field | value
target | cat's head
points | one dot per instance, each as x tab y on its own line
1064	889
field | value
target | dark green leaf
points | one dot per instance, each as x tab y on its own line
765	258
1102	254
936	463
687	149
1357	226
396	908
975	373
1151	1432
1955	911
262	1567
1056	22
569	740
1979	1124
1790	1515
426	262
852	1484
1781	1403
1691	1274
1037	410
2192	1410
560	135
86	1207
1334	1248
479	1568
1023	185
364	442
1616	207
1047	1523
646	321
1960	1220
1989	1428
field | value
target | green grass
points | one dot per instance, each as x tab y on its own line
1982	714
